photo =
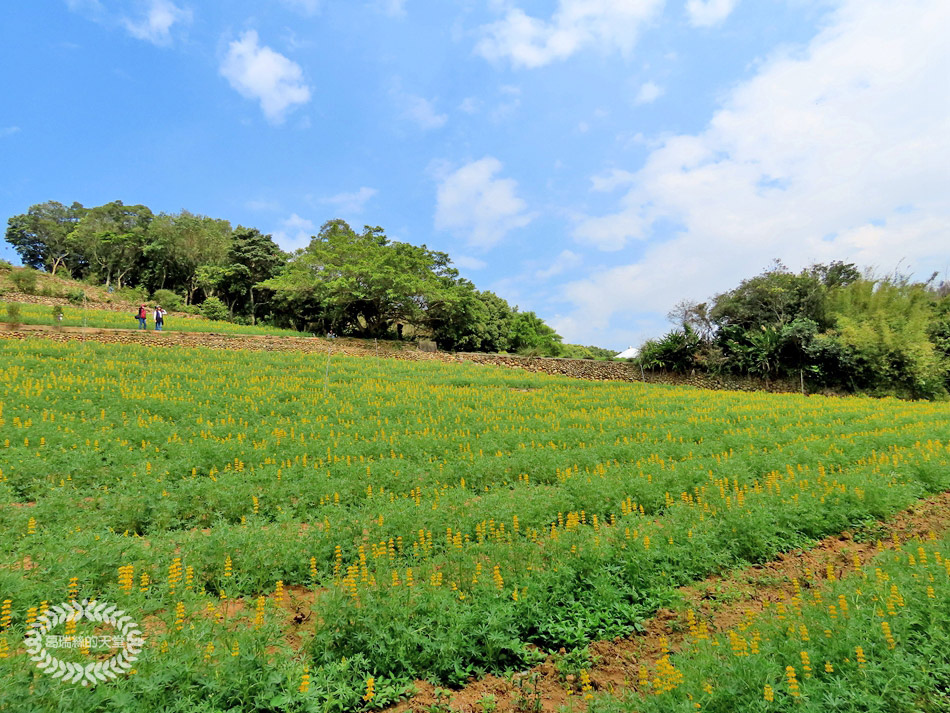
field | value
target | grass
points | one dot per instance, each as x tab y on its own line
875	641
111	319
298	543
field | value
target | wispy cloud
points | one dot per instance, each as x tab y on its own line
648	93
9	131
467	262
705	13
304	7
294	232
258	72
530	42
474	204
422	112
262	205
393	8
351	203
157	21
567	260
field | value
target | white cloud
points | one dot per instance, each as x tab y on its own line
351	203
305	7
295	232
393	8
705	13
837	151
648	93
470	105
262	205
531	42
258	72
468	262
156	24
85	6
567	260
9	131
612	180
421	111
473	203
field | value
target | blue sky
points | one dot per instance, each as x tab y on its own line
593	160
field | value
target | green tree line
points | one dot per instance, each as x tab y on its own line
831	325
345	282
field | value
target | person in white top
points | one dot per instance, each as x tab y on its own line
159	318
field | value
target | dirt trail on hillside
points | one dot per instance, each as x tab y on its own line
722	601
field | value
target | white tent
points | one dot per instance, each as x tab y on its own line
628	353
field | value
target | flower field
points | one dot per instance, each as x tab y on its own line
298	535
112	319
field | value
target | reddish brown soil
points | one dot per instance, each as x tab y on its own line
722	601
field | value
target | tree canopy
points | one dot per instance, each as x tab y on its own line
828	323
343	281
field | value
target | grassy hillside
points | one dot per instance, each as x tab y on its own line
297	537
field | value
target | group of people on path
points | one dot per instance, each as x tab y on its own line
158	316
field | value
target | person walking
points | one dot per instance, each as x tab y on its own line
141	316
159	318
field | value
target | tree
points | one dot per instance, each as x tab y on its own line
772	299
180	246
113	237
252	258
361	283
43	236
469	320
694	315
530	335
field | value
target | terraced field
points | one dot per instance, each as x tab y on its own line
300	535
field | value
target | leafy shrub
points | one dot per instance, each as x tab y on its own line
24	280
167	299
5	266
215	309
48	291
676	351
13	315
57	316
75	296
131	294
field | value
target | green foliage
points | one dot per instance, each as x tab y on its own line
827	324
13	314
214	309
884	327
530	336
364	284
676	351
343	281
576	351
886	652
135	295
24	280
167	299
76	296
43	237
595	501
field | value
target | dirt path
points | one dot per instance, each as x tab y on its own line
720	601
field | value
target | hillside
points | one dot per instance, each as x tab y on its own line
302	531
